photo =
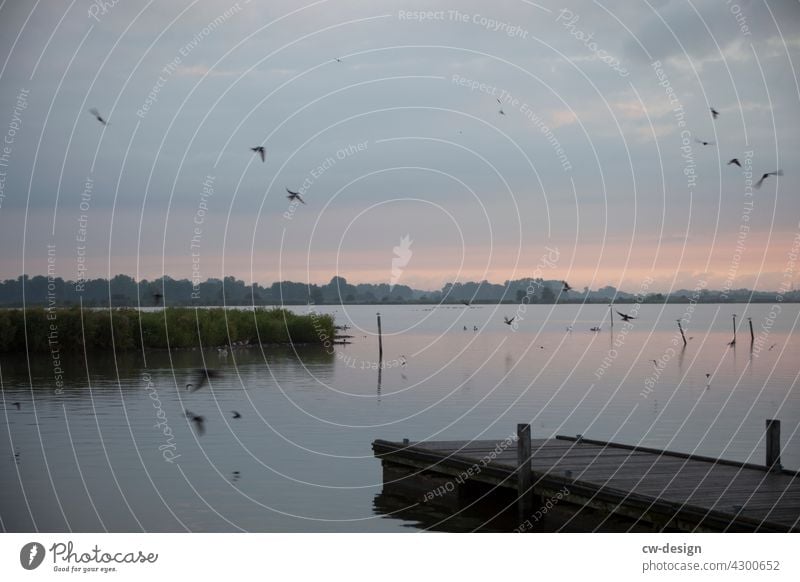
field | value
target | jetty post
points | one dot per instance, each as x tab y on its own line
774	444
752	335
380	341
524	484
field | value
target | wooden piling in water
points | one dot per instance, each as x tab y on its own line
773	444
611	311
752	335
524	484
683	335
380	341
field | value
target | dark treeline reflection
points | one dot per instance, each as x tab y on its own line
126	369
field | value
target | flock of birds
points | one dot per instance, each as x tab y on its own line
735	161
260	150
204	374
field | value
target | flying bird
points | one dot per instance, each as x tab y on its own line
338	60
625	317
236	414
714	112
767	175
735	161
295	196
198	421
260	151
705	143
501	112
508	321
566	288
202	375
97	116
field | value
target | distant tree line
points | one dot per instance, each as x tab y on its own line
124	291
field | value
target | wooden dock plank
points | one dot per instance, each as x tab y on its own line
694	487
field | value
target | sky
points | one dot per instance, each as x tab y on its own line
385	117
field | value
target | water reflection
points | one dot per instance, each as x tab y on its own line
298	457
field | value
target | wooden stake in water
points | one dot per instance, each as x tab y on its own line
683	335
752	335
611	311
380	340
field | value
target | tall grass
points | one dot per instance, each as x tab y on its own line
71	329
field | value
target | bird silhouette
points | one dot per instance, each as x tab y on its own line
735	161
508	321
236	414
770	347
767	175
338	60
625	317
295	196
202	375
705	143
198	422
97	116
260	151
501	112
714	113
566	288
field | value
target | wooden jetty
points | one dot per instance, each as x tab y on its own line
652	489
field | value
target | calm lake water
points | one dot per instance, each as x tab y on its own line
299	458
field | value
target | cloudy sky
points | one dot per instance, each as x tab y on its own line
595	155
